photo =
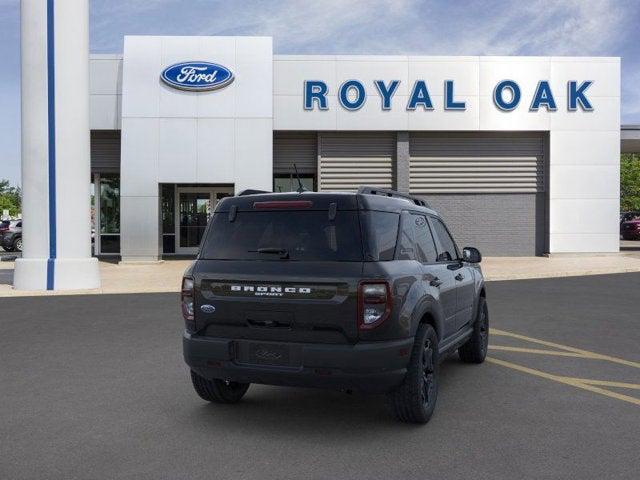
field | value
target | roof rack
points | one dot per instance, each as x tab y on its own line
250	191
385	192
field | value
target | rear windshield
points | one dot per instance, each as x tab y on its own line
303	235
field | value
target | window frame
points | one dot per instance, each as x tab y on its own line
415	237
439	246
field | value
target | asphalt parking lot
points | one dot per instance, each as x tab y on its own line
95	387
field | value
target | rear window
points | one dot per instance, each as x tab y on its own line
304	235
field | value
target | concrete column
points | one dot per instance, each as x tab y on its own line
402	163
55	148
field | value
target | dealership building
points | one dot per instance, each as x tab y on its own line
519	154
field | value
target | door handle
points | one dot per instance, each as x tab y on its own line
435	282
459	277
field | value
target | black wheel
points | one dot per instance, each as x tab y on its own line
475	349
218	391
415	400
17	245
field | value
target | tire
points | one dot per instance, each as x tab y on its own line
415	400
475	349
17	245
218	391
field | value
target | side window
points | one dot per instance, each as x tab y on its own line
424	240
406	241
448	250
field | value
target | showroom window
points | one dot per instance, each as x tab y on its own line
168	209
289	183
109	213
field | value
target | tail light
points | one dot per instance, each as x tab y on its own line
186	299
374	304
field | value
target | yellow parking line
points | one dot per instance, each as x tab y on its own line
605	383
537	351
565	380
584	353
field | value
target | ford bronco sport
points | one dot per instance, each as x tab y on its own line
358	291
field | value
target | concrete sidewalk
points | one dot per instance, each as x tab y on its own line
166	276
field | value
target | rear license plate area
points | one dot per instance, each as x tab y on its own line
267	354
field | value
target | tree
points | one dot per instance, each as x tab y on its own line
10	198
630	182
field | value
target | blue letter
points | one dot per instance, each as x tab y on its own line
543	96
386	92
576	96
420	96
343	95
315	90
515	95
449	104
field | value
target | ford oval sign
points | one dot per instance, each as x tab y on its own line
197	76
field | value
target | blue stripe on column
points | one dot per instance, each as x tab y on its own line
51	111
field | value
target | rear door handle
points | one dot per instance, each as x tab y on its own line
435	282
459	277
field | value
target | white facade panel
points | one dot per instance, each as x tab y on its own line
170	135
225	136
253	161
139	165
177	146
465	71
215	145
105	75
104	112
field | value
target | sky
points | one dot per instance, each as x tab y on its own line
426	27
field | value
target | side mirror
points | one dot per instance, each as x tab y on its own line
471	255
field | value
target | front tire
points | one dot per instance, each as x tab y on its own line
415	400
17	245
218	391
475	349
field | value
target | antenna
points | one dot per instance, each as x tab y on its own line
301	188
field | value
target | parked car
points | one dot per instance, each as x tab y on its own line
11	236
358	291
630	226
626	216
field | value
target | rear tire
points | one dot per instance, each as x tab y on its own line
218	391
415	400
17	245
475	349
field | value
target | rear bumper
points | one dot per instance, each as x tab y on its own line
374	367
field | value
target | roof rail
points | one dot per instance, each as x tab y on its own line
385	192
250	191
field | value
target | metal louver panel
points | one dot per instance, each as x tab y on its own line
477	163
105	151
348	160
295	147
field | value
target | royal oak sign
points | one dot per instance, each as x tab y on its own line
506	94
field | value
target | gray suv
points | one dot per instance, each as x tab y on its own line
361	291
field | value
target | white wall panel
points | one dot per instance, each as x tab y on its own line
104	112
140	76
216	150
139	151
177	147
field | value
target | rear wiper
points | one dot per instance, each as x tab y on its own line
283	252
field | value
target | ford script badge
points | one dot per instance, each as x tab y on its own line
208	308
197	76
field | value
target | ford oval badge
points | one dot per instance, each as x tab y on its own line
197	76
208	308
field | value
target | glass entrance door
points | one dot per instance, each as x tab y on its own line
194	207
